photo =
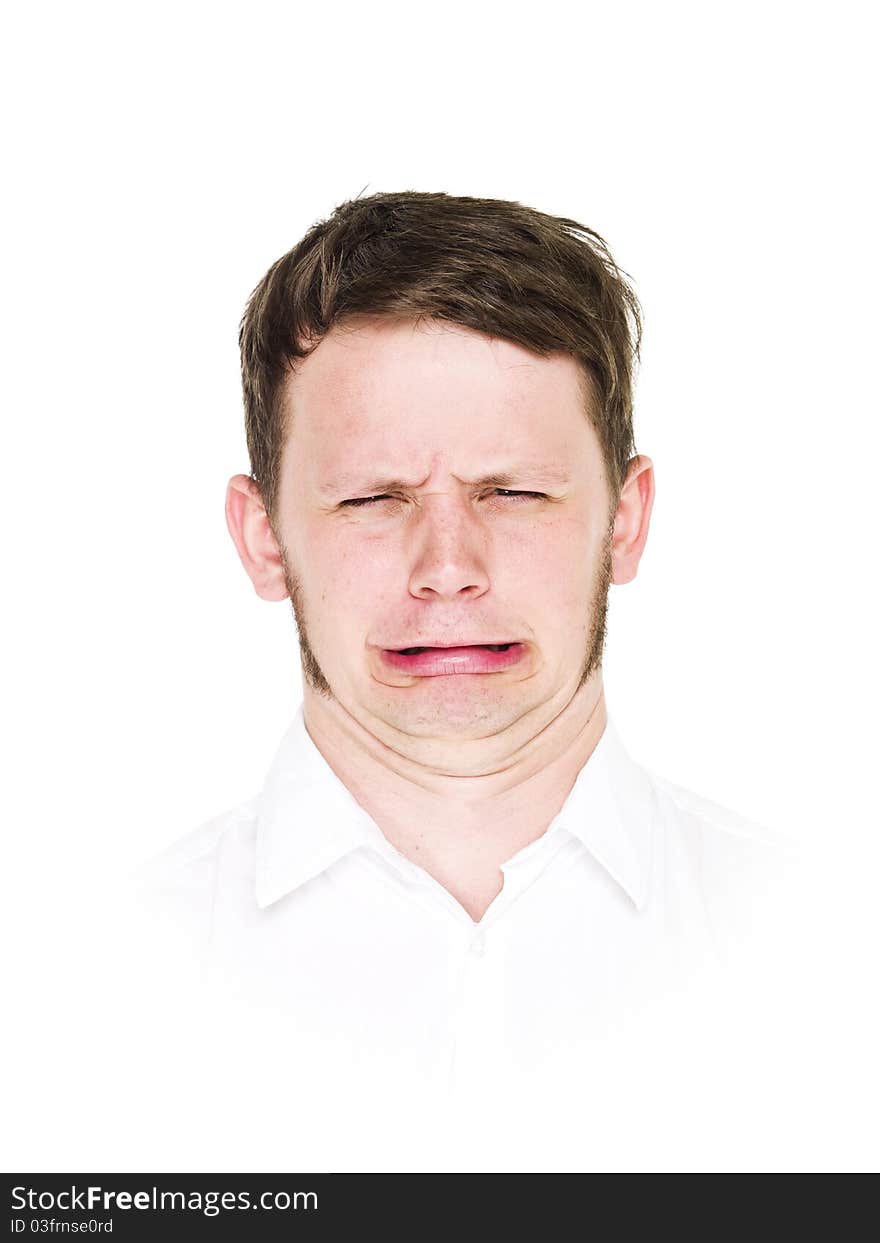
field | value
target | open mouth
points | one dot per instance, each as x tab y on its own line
431	662
491	647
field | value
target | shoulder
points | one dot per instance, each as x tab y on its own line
715	827
179	883
743	871
198	851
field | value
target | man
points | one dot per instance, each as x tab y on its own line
454	866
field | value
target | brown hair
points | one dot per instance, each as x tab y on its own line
544	282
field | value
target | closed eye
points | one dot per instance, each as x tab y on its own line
365	500
506	494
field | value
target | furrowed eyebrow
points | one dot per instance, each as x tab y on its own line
368	488
500	479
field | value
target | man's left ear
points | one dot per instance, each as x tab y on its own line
632	519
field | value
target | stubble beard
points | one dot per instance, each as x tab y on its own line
596	630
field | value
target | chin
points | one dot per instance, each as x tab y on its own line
453	722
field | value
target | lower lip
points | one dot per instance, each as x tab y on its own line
443	661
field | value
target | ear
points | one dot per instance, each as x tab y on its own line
254	539
632	519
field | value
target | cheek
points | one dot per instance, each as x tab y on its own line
549	567
351	581
552	564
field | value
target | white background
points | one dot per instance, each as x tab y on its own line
159	158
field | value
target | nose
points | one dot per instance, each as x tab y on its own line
451	547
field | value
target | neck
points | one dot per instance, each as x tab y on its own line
461	821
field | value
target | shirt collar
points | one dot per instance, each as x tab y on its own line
308	819
611	809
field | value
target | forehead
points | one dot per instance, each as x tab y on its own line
398	389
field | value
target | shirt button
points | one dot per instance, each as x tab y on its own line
479	945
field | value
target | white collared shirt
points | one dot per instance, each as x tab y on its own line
296	905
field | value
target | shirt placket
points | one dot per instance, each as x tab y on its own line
481	1039
478	1007
479	972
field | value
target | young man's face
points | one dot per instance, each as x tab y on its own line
440	559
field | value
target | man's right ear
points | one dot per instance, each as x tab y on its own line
254	539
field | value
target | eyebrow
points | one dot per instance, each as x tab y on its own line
498	479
